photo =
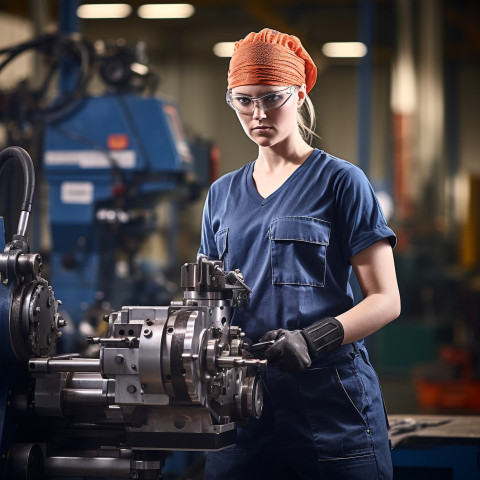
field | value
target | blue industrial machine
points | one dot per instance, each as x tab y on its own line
108	160
107	164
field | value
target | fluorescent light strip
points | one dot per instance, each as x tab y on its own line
166	10
344	49
104	10
223	49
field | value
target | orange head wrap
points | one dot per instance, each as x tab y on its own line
271	58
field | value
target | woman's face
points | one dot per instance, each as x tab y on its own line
271	127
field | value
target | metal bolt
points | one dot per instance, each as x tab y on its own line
147	332
131	389
134	367
119	359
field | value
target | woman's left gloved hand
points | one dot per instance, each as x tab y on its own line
289	352
293	350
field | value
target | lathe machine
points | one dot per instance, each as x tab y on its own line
167	378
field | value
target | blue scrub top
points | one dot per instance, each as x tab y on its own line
293	247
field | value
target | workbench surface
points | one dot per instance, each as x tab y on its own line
434	429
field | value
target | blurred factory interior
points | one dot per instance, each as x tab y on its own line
406	111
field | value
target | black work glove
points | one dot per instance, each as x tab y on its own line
289	353
293	350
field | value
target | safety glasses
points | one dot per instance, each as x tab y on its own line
269	101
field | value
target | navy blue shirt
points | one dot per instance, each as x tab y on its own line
293	247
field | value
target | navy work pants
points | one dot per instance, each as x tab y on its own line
328	422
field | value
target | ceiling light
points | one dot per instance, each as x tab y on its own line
139	68
104	10
223	49
344	49
166	10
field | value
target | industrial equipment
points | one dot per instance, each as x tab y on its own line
118	165
174	377
107	166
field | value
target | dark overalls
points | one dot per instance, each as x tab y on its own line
294	248
328	422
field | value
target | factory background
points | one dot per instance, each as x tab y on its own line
406	112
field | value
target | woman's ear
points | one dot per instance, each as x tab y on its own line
301	94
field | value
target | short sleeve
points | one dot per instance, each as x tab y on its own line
359	219
207	244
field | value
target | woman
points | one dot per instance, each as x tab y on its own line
296	221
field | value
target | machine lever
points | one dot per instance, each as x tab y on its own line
131	342
258	349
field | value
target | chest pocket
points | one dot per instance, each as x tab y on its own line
221	239
298	247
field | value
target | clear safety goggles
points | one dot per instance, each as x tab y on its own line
269	101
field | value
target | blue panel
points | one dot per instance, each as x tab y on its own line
461	461
6	354
70	212
147	122
155	129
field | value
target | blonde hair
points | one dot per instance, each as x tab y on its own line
307	120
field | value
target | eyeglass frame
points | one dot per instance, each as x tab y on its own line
228	98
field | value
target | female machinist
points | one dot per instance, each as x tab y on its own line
295	221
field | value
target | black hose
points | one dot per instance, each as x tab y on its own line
62	47
28	173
